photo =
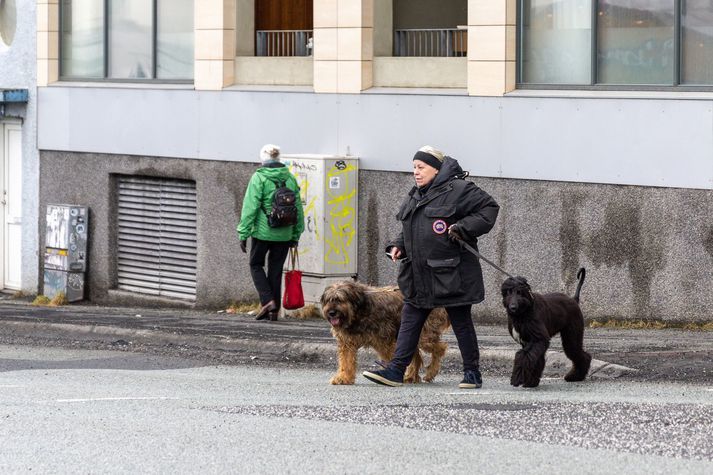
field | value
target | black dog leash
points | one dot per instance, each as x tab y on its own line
480	256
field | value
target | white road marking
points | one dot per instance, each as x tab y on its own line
469	392
116	399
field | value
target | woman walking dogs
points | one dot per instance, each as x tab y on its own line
434	270
272	215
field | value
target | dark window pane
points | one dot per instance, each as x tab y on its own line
697	49
636	44
130	39
175	39
82	41
557	41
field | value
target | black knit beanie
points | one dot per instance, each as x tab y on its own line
429	159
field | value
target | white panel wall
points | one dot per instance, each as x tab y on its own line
650	142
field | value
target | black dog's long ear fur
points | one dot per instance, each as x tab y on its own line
512	283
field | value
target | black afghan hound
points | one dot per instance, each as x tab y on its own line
535	318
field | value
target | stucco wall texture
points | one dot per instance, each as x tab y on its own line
18	71
648	251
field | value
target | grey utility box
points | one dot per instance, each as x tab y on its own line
66	251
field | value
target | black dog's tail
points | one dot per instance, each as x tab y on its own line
580	276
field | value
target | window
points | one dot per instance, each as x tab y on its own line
126	39
616	43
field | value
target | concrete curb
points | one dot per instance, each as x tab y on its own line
290	350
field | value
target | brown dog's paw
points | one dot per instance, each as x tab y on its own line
340	379
412	379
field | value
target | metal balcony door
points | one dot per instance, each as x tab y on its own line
157	242
11	205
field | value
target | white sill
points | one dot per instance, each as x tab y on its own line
122	85
582	94
418	91
269	88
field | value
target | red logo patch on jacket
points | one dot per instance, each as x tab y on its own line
439	226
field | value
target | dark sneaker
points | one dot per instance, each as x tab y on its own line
471	379
387	377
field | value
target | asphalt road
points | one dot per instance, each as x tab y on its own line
74	410
654	355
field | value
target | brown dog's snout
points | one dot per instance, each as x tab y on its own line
332	313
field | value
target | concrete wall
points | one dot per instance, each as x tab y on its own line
87	179
420	72
648	248
265	70
17	70
648	251
245	28
383	27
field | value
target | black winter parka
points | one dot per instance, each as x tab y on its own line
434	270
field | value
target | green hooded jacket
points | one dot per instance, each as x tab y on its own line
258	198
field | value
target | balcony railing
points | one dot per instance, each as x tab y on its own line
431	42
284	43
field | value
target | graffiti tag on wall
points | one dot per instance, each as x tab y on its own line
341	216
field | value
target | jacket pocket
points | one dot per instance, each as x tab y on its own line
445	275
439	211
405	279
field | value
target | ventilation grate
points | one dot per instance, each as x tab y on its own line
157	237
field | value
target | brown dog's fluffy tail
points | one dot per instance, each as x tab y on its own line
580	276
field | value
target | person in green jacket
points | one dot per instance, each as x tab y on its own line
270	239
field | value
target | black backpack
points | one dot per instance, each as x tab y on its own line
284	209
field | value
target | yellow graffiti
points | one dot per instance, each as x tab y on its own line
300	172
341	217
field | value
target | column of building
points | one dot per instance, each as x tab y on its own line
343	45
47	41
214	28
491	47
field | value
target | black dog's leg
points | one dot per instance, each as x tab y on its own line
516	379
572	344
534	362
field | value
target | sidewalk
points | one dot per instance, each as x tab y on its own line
309	340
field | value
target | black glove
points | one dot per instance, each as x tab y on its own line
244	246
455	233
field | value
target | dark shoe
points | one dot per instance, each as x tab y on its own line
471	379
264	312
273	315
387	377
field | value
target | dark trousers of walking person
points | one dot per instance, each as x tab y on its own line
412	321
268	285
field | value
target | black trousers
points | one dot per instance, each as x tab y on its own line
412	320
268	285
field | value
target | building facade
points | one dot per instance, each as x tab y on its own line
589	121
19	157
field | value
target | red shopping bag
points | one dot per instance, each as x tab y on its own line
293	297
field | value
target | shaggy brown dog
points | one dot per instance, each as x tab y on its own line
363	316
535	318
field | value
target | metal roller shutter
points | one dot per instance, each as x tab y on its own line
157	237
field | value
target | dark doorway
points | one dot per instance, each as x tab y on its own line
283	15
